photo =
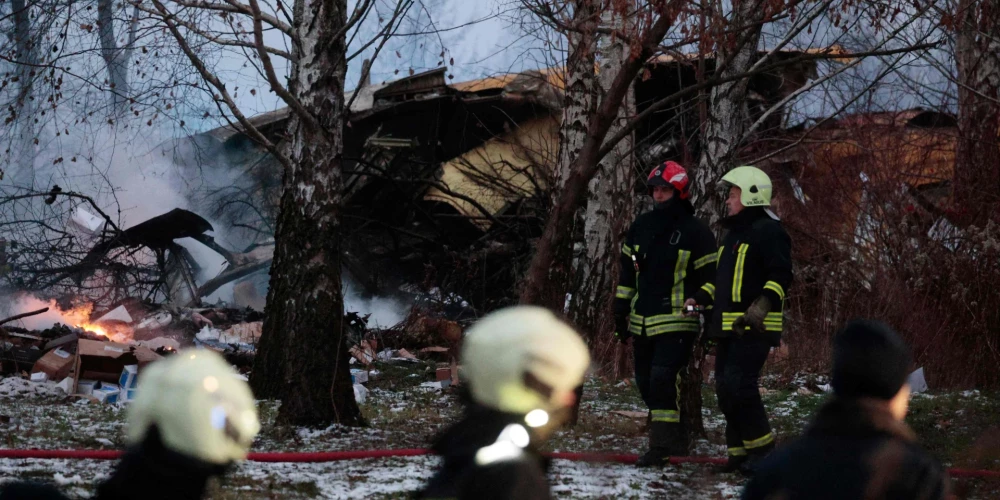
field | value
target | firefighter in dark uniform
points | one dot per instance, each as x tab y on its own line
192	420
858	446
667	256
521	368
753	276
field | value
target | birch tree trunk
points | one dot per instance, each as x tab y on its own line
555	244
25	60
728	119
608	211
578	104
977	162
302	357
115	58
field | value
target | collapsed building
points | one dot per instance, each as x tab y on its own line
446	184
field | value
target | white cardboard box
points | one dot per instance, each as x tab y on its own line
86	387
128	378
107	393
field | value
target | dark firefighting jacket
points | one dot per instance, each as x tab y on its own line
754	259
469	473
667	256
854	449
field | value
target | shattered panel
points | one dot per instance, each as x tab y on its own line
499	172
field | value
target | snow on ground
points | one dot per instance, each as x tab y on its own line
395	476
403	413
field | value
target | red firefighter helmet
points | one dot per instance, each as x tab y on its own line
669	174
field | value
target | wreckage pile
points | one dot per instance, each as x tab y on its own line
101	359
422	336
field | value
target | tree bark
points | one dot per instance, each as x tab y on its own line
579	100
977	161
26	59
115	58
728	119
608	211
554	247
302	357
728	116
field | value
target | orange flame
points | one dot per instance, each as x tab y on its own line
79	317
92	328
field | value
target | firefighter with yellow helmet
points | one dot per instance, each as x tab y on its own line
754	271
191	420
521	366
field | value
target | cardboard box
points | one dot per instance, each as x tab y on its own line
104	361
129	396
107	393
66	385
68	342
359	376
129	376
86	387
55	364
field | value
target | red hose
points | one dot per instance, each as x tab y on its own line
331	456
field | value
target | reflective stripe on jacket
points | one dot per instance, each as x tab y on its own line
667	256
753	260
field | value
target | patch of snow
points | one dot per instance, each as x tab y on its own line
16	387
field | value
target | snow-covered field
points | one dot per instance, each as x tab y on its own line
404	412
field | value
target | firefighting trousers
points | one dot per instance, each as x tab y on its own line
738	362
659	361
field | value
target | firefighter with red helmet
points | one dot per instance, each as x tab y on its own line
667	256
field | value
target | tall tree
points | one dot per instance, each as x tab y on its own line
602	222
545	283
977	162
116	58
302	358
26	58
728	117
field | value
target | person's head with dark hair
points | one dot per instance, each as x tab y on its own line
871	361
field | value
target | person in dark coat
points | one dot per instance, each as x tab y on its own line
753	276
858	446
522	367
192	419
667	256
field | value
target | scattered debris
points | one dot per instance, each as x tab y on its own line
359	376
639	415
117	314
55	364
917	381
360	393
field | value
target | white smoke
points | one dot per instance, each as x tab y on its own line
23	303
385	311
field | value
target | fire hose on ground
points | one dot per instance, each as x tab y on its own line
332	456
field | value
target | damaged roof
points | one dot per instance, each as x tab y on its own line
545	84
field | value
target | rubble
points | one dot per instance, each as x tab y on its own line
16	387
917	381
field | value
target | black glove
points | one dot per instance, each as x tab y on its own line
621	328
753	318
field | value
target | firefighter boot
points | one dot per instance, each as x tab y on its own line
733	464
680	443
662	438
754	458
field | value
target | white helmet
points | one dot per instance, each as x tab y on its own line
521	359
199	405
